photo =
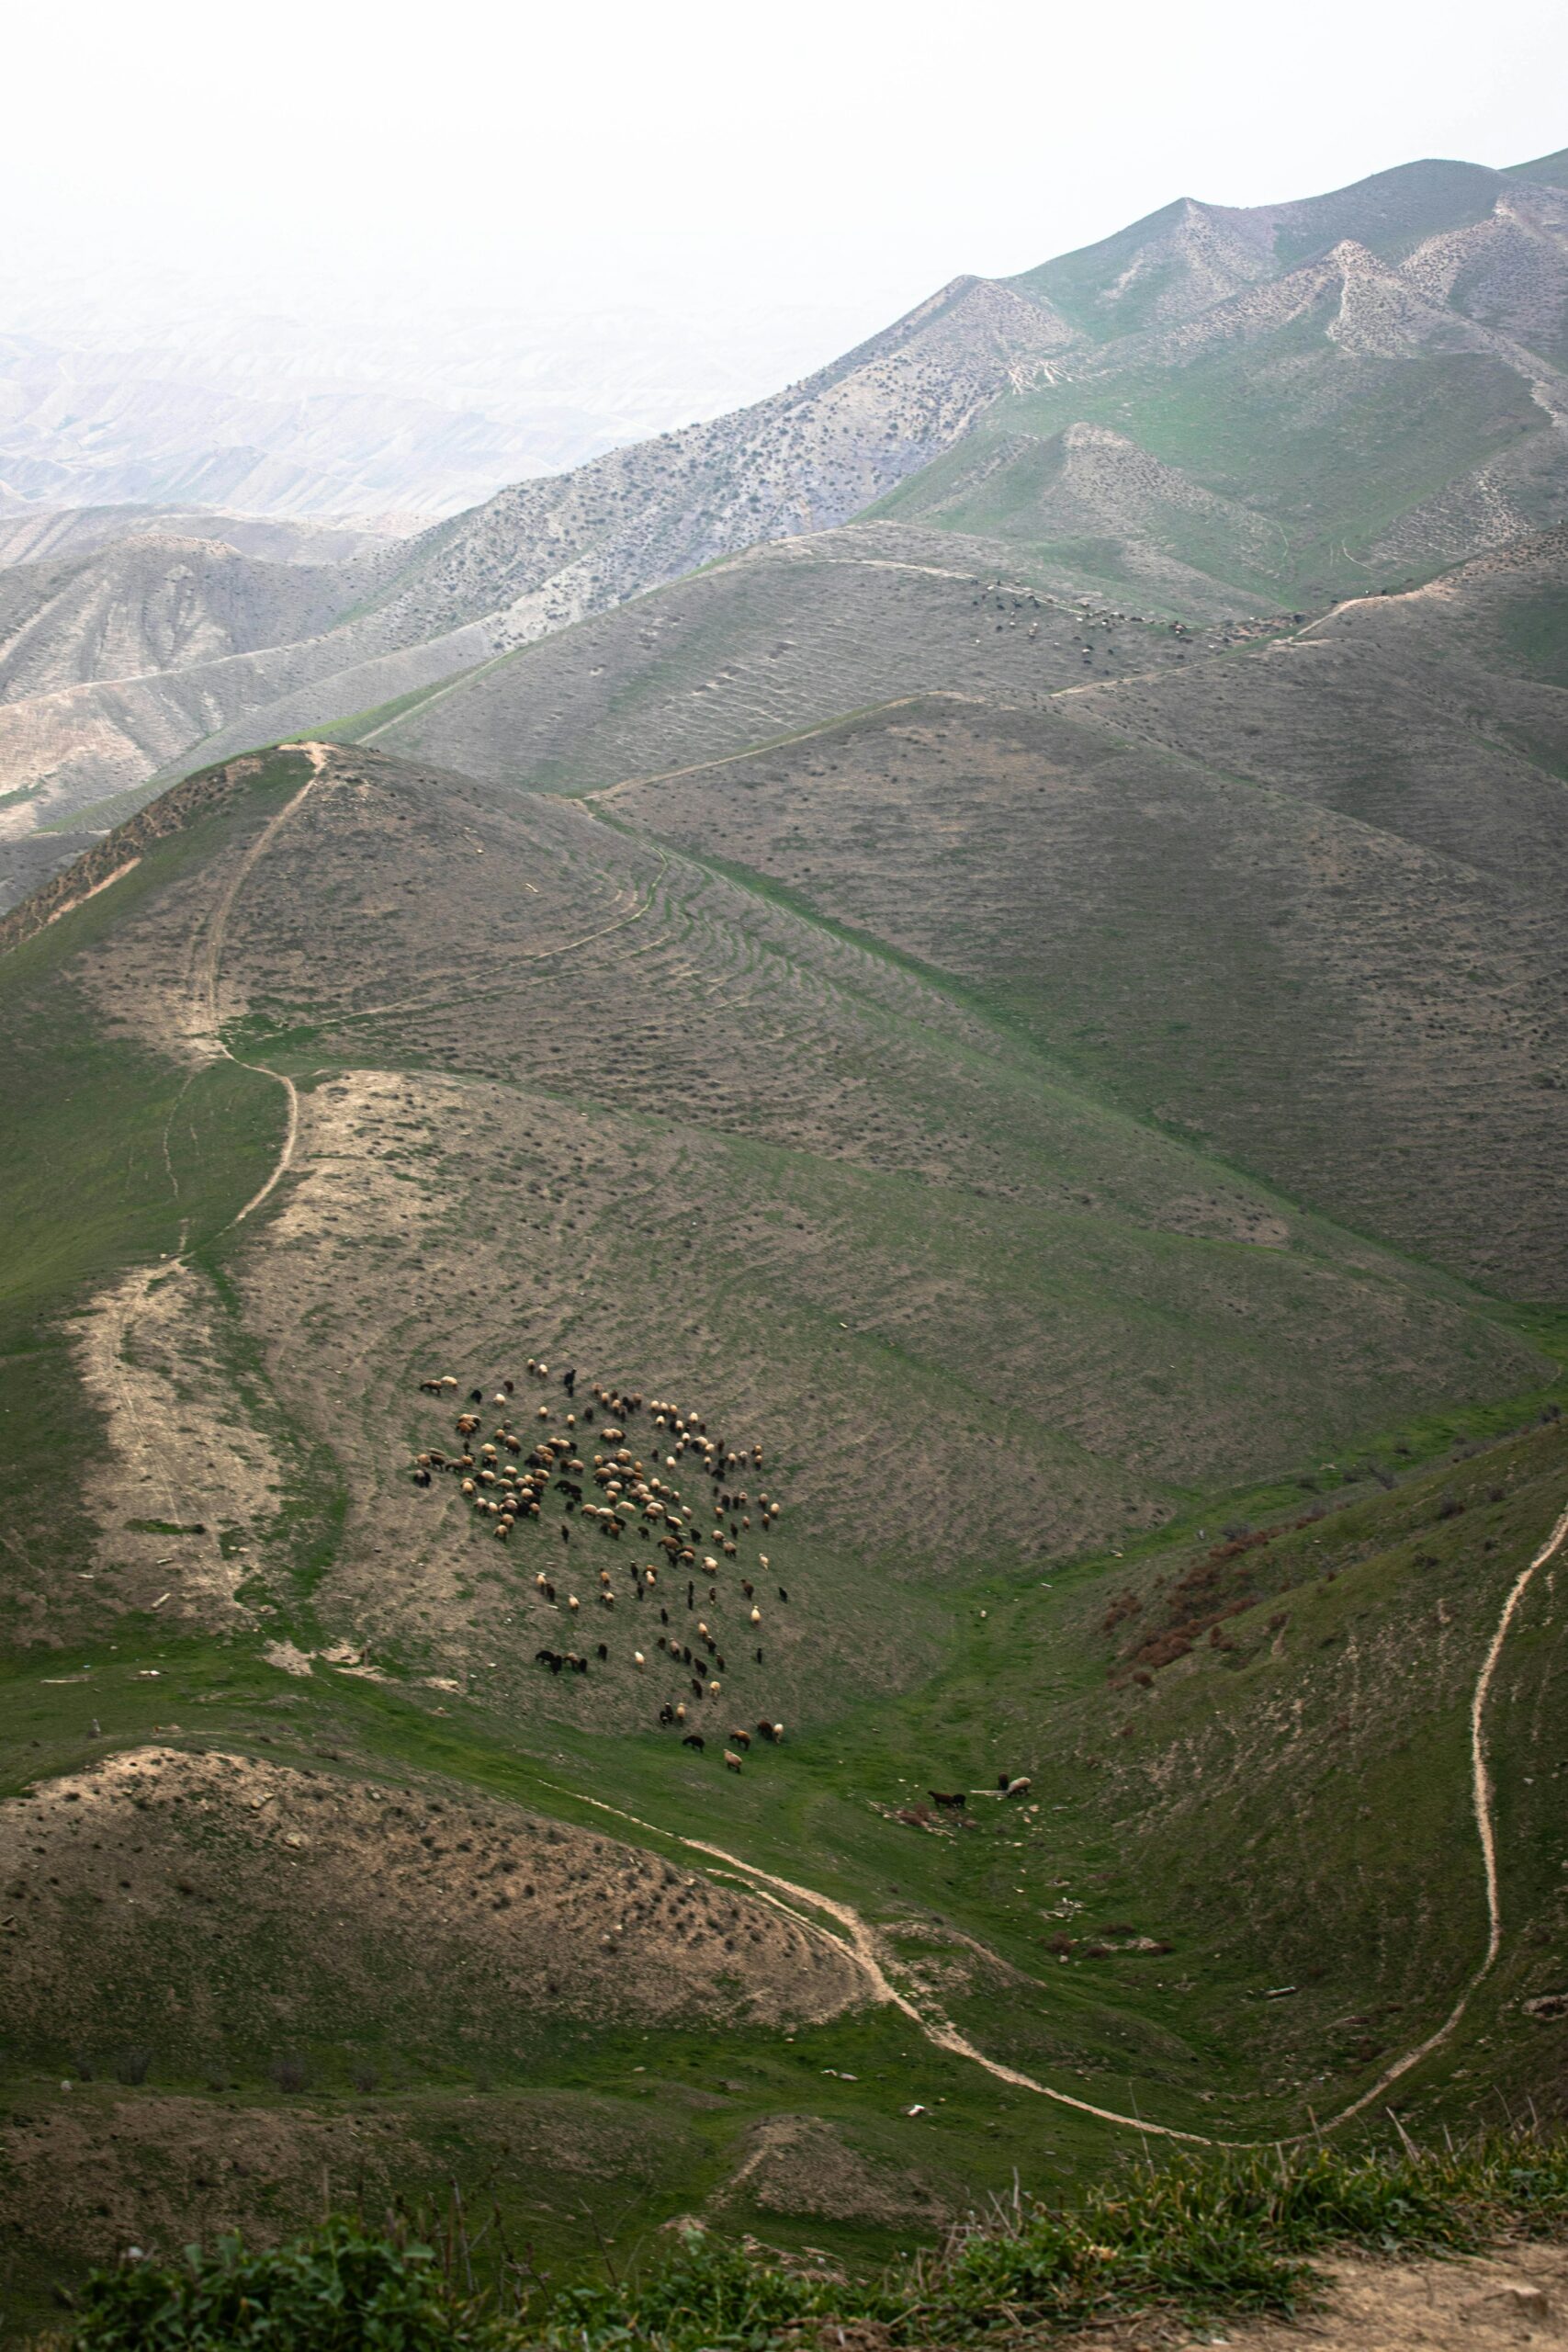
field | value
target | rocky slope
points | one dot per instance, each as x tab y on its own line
1217	412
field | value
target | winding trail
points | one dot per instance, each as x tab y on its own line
317	754
870	1950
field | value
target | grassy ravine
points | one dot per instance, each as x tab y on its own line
1204	2239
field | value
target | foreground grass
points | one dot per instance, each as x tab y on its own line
1203	2237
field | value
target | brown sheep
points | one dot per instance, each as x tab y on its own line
732	1761
741	1738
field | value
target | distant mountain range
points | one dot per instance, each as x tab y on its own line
1216	413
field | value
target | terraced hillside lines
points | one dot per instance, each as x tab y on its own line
781	640
1374	1025
1403	714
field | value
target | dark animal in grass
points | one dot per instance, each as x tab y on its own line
602	1651
695	1739
667	1714
954	1797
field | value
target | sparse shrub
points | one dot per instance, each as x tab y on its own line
366	2079
1451	1506
1125	1604
132	2065
289	2072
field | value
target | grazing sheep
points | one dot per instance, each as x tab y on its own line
638	1659
756	1616
732	1761
1018	1787
695	1739
954	1797
741	1738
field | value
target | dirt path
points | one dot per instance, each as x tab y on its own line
1496	2302
870	1949
317	754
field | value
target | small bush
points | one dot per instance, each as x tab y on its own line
132	2065
289	2072
338	2290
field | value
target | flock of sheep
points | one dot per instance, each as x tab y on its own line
536	1452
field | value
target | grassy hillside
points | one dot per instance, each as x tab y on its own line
1295	467
276	1734
764	646
1370	1022
925	1160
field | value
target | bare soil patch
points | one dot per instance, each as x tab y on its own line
799	2164
1495	2303
184	1478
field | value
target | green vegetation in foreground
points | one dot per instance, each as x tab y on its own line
1204	2238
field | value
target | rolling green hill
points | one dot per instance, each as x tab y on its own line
878	1116
1175	1485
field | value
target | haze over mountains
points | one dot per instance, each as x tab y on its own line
937	1007
1215	413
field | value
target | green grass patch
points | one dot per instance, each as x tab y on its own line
1204	2238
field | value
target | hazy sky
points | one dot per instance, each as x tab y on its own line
819	162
